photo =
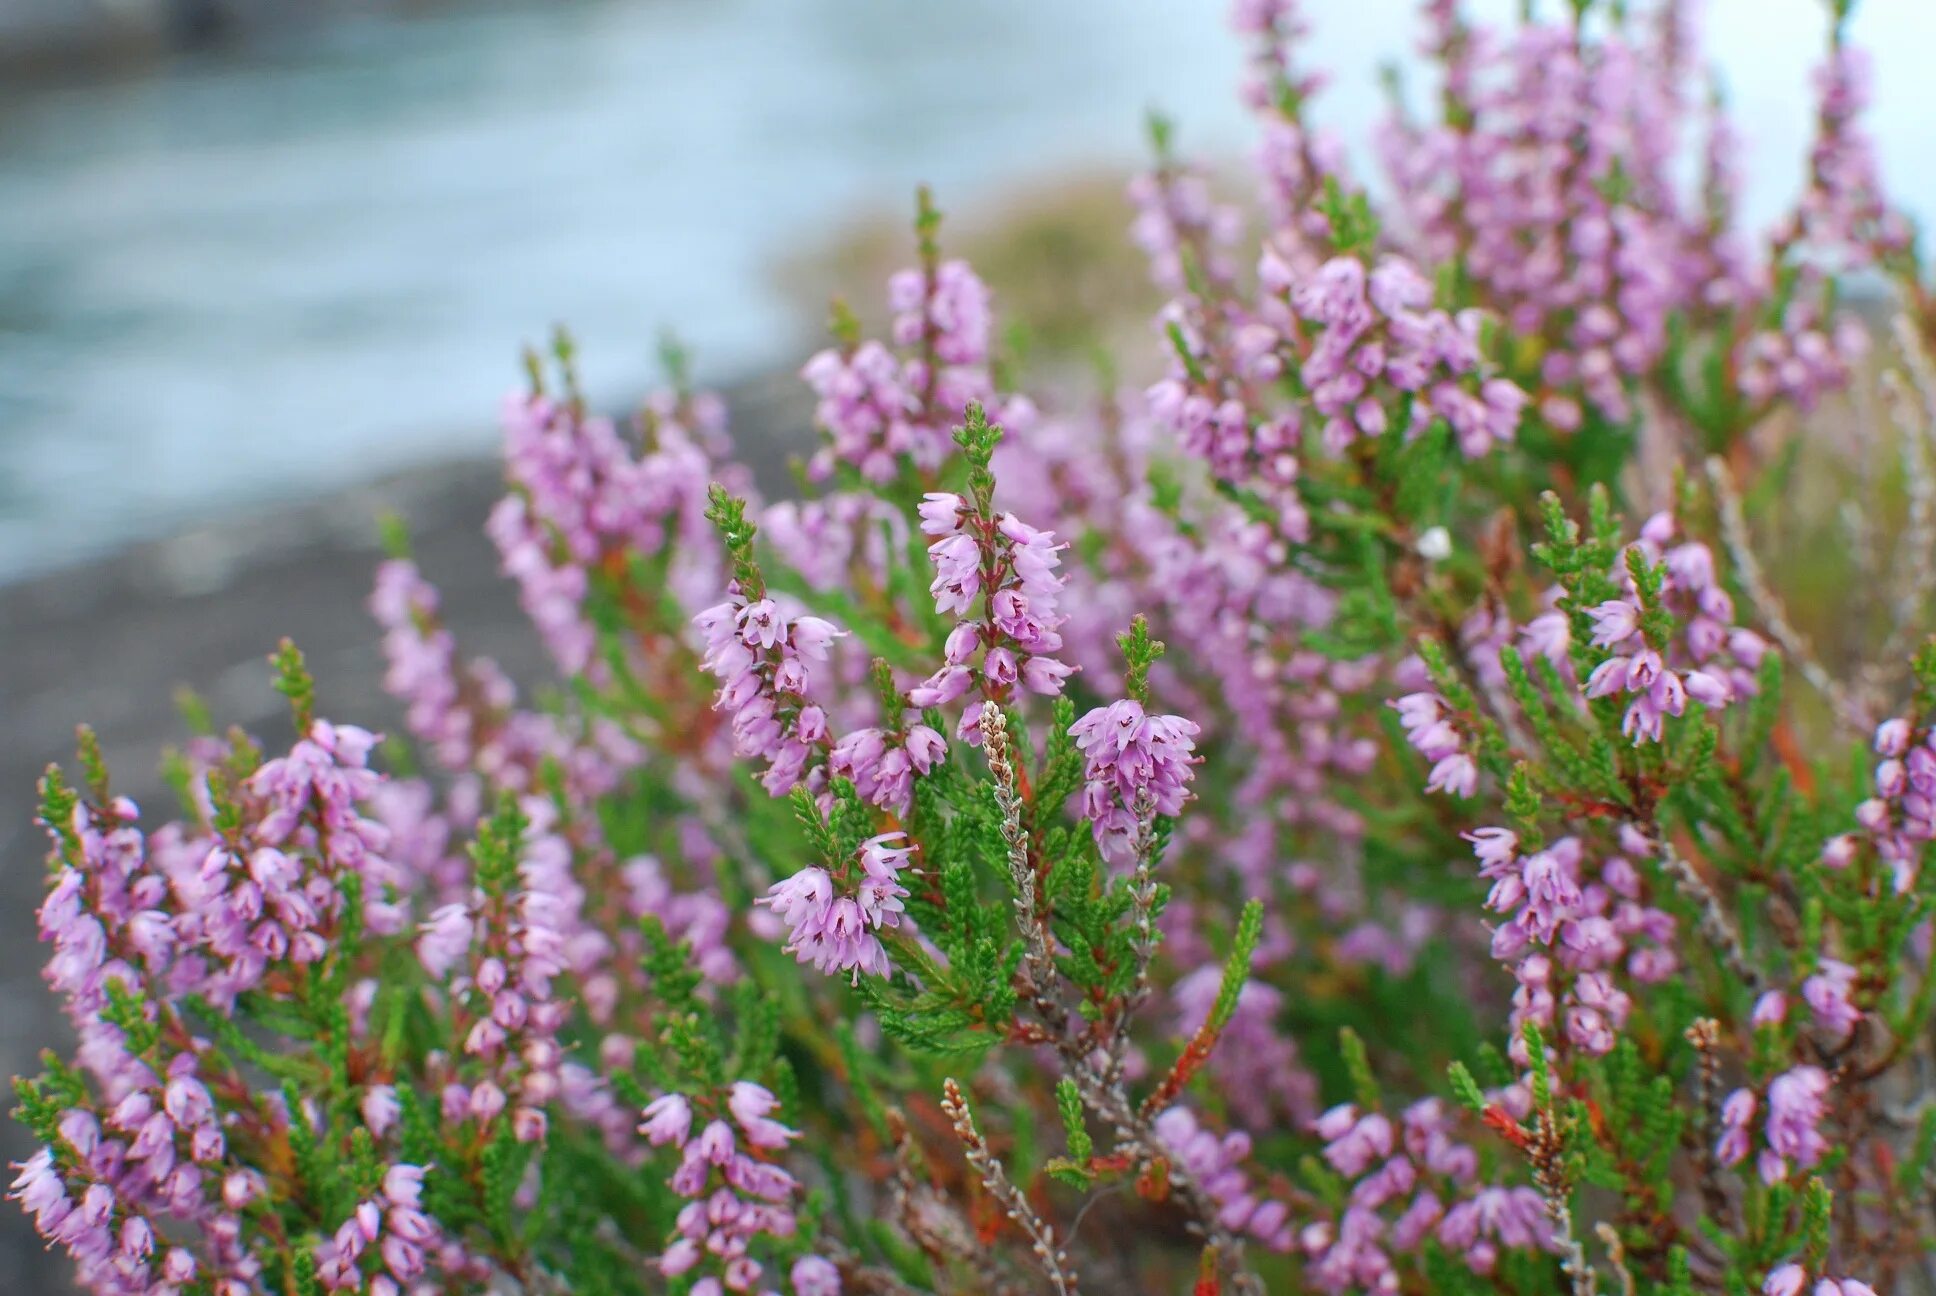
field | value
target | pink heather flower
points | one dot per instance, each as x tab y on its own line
1892	738
814	1276
1737	1113
1457	775
1018	630
1216	1165
750	1103
1130	754
1770	1009
802	900
1353	1142
445	939
941	513
813	637
836	931
679	1258
1795	1113
957	578
715	1142
403	1185
1840	852
667	1119
380	1109
1614	622
1827	995
1044	675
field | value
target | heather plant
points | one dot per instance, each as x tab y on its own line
1355	814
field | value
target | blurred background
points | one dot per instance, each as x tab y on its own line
266	265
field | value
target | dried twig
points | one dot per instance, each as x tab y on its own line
1101	1088
1142	893
932	1221
1914	415
1029	915
1714	921
1546	1149
1054	1262
1747	569
1616	1256
1705	1036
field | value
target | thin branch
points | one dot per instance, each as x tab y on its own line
1616	1255
1029	915
1142	894
932	1220
1914	415
1747	569
1101	1088
1714	921
1054	1262
1705	1036
1546	1148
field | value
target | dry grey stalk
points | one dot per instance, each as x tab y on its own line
1028	911
1914	416
1616	1256
1546	1149
1054	1262
1101	1087
1705	1036
1714	921
1142	893
932	1221
1747	569
1858	513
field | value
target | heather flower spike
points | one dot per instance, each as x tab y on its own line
1376	804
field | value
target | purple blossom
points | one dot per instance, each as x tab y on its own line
1132	757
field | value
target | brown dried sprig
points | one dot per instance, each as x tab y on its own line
1048	1253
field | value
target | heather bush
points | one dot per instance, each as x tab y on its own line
1354	813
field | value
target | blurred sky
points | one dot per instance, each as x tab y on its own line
272	270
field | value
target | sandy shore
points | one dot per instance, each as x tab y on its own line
109	643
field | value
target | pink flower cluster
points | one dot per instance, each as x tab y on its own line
1790	1124
1566	936
1555	187
1179	220
1791	1279
881	409
1131	760
511	951
1711	660
106	1200
737	1194
998	576
1256	1063
1216	1166
1844	213
1427	722
833	926
466	712
1413	1168
1899	820
580	493
882	764
1379	343
389	1232
760	658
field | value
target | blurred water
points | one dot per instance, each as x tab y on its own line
265	273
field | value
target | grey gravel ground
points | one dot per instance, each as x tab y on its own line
110	642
